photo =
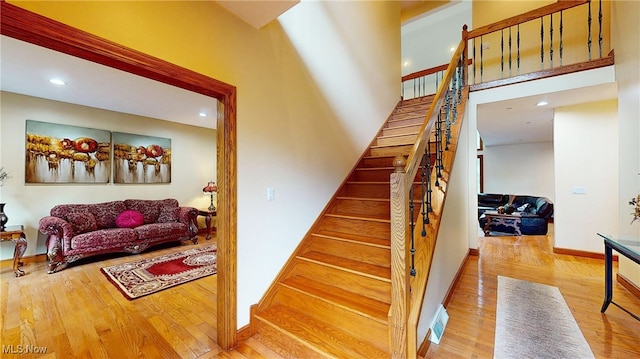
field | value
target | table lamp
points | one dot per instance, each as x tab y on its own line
209	189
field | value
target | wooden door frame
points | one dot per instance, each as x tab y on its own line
30	27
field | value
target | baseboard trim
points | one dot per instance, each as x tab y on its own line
629	285
8	263
244	333
579	253
424	345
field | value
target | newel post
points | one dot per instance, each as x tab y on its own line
399	259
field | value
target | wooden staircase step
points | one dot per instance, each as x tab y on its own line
374	189
407	129
353	250
394	140
297	335
356	238
364	269
371	174
377	228
376	161
363	306
406	120
378	207
417	100
351	281
392	151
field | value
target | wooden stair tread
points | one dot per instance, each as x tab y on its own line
372	218
357	267
317	335
365	306
373	241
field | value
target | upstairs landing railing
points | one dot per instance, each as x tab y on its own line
413	243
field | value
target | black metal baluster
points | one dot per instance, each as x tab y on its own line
551	41
541	43
412	224
429	190
510	53
449	111
561	28
474	60
502	53
589	29
518	49
438	166
600	28
481	57
423	184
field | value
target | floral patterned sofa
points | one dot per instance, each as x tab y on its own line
76	231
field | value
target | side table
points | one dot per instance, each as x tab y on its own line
16	234
207	219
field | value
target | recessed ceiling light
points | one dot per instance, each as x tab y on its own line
542	103
57	82
452	49
405	64
202	114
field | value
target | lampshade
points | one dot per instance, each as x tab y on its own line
210	187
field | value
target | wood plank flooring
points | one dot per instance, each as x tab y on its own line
76	313
472	309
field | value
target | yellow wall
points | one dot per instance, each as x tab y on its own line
313	89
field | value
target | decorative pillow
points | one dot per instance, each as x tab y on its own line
129	219
169	214
82	222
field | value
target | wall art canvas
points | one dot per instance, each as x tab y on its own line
141	159
66	154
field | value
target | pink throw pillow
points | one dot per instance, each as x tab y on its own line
129	219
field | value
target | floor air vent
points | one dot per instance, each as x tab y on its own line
438	325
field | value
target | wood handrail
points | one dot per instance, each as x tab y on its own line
527	16
429	71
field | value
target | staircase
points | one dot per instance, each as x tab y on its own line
333	296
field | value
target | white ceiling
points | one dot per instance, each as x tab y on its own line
26	69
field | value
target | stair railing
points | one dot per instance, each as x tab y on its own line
441	114
559	40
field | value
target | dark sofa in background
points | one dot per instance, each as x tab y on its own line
535	212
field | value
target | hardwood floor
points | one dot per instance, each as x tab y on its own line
472	309
76	313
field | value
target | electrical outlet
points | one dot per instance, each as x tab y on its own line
485	46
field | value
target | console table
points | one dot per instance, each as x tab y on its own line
16	234
512	220
628	247
207	219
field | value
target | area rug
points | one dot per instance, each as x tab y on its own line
534	321
151	275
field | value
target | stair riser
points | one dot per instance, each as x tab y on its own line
405	121
360	327
373	162
373	175
396	140
401	130
367	190
361	207
391	151
281	343
352	282
355	251
356	226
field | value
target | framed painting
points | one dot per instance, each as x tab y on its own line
141	159
58	153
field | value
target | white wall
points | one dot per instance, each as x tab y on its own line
452	245
523	169
193	162
586	156
627	46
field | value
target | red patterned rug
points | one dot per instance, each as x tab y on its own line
146	276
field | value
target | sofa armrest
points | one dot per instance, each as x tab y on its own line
188	216
59	234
